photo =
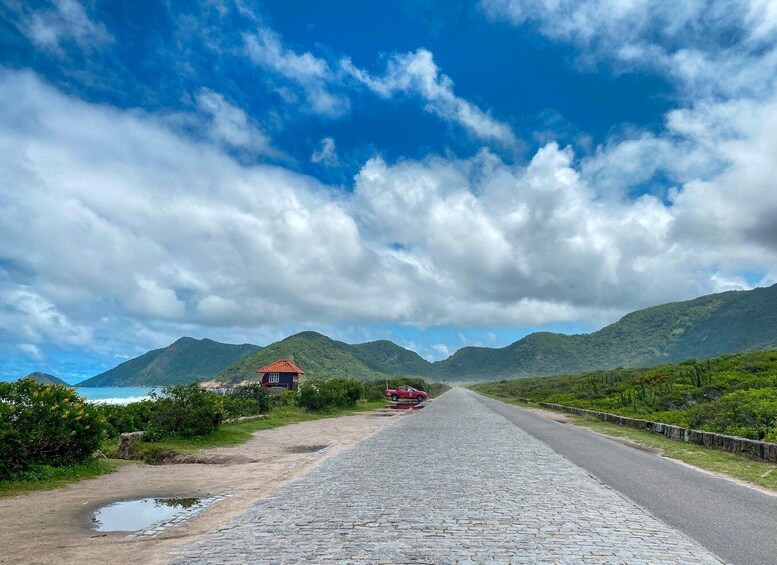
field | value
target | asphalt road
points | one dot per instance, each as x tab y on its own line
737	523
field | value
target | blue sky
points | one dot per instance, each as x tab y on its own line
437	173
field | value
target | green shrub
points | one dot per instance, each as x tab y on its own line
745	413
332	393
132	417
45	425
184	411
283	399
247	400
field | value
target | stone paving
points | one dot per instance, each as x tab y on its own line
453	483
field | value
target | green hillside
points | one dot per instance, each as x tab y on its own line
184	361
46	379
387	357
727	322
733	394
320	356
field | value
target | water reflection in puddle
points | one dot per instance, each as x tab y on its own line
134	515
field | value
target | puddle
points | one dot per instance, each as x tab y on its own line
135	515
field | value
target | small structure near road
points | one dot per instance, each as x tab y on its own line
281	374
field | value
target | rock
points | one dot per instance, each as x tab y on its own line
125	443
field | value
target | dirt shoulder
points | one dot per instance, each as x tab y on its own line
54	526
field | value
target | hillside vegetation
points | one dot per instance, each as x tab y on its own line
731	394
728	322
184	361
322	357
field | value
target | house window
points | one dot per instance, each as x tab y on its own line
273	378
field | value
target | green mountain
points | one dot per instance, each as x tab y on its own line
320	356
728	322
184	361
46	379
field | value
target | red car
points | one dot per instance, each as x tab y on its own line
408	393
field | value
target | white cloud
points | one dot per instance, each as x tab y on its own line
110	219
417	73
721	48
66	20
326	154
25	315
31	350
309	72
229	125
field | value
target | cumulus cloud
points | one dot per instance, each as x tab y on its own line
326	154
110	219
416	73
63	21
311	73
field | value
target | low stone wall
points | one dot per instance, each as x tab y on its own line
754	449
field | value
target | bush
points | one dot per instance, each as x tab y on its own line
247	400
332	393
283	399
184	411
45	425
133	417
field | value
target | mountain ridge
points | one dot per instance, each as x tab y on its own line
185	360
707	326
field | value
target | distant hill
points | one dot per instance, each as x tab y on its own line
184	361
320	356
46	379
728	322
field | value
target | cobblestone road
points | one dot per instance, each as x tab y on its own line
453	483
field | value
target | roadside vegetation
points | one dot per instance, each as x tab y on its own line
49	435
732	394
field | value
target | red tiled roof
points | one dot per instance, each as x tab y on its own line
281	366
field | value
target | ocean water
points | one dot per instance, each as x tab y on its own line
115	395
109	395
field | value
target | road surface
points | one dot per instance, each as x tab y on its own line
736	522
456	482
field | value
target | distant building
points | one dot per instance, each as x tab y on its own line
281	374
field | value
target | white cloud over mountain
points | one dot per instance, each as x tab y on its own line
110	214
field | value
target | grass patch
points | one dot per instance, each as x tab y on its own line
235	434
46	477
759	473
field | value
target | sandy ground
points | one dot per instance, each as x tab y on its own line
54	526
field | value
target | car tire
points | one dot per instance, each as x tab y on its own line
394	397
419	398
